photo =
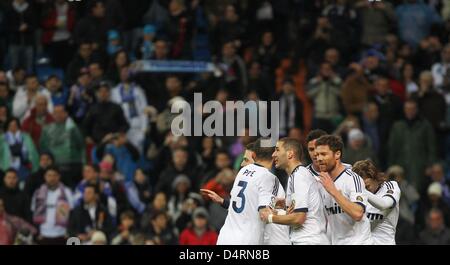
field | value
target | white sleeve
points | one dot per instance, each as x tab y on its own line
268	186
301	192
393	192
381	203
356	190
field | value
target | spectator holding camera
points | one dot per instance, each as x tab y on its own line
125	154
432	107
324	91
81	96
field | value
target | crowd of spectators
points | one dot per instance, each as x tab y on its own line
86	148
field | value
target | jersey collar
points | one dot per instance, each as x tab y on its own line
343	171
313	170
295	169
256	164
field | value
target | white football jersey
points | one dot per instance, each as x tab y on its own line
316	174
342	229
303	191
384	223
275	234
254	187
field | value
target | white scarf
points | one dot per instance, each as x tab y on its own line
20	7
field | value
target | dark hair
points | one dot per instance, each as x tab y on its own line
127	214
5	84
263	153
52	76
332	141
18	68
157	213
315	134
222	151
103	84
184	149
31	76
84	42
173	76
94	186
367	169
94	4
11	170
53	168
49	154
288	80
117	55
411	100
291	144
8	122
94	167
250	146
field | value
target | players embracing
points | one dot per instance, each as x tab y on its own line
327	202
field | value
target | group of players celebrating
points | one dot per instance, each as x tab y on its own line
326	202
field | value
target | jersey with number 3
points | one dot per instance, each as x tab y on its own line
253	188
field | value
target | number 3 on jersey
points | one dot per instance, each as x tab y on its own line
243	185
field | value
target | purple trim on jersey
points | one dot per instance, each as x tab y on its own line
311	169
340	175
301	210
356	180
362	204
295	169
392	197
261	207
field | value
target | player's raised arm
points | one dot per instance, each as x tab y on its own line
299	205
388	200
354	209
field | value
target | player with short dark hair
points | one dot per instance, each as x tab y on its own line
345	200
307	220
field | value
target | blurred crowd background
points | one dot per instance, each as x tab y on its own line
85	144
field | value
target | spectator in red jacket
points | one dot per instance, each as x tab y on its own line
57	24
37	118
199	233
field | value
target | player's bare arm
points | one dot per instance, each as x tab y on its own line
212	195
269	215
355	210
